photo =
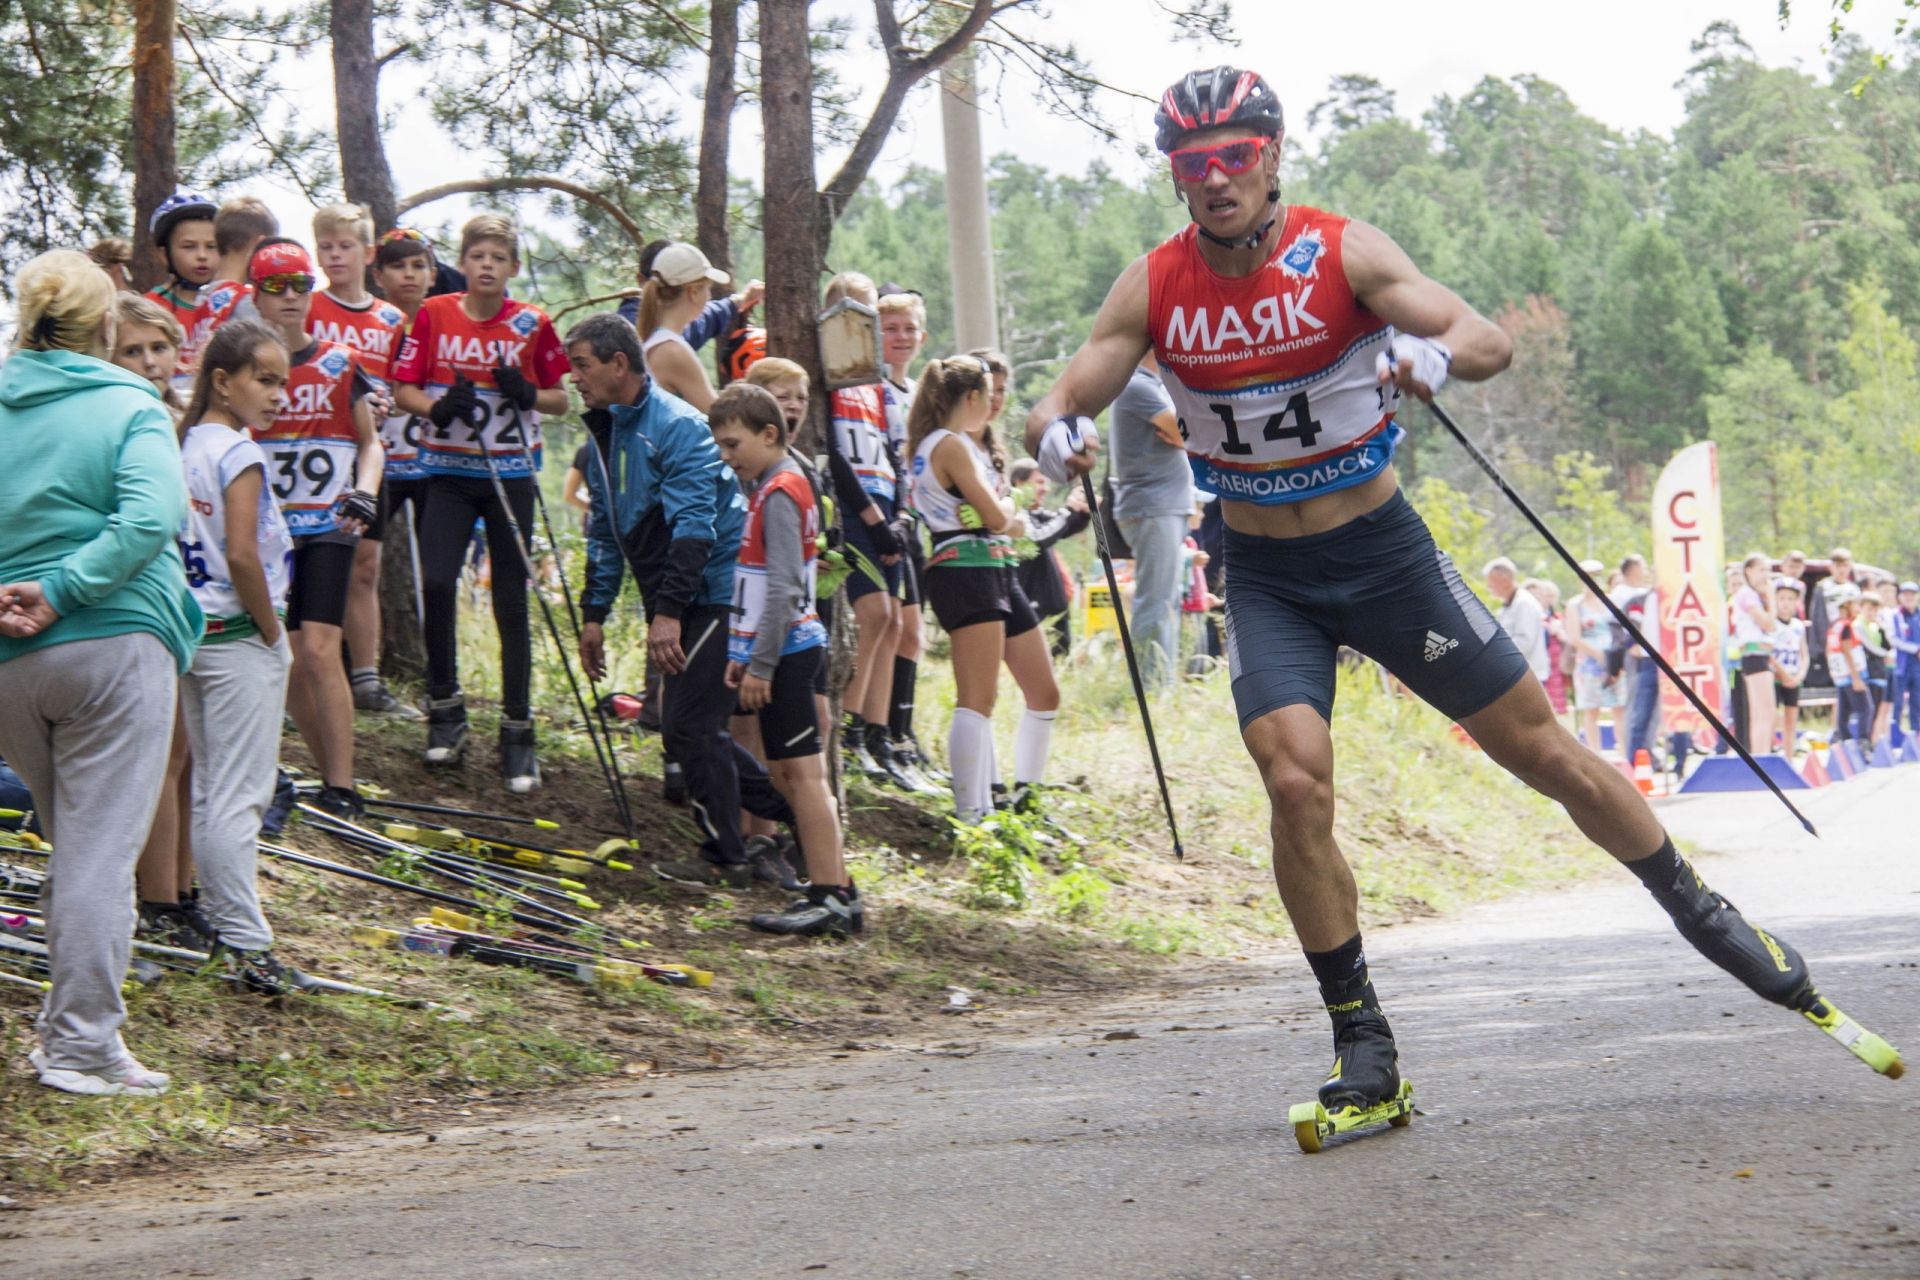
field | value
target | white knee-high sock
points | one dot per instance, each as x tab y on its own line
970	757
1031	742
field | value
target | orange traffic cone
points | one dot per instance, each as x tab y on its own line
1643	771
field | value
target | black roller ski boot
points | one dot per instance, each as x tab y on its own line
518	763
827	911
1769	967
446	730
1364	1088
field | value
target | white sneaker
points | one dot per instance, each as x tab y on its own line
125	1077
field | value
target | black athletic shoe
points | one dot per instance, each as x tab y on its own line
274	820
909	746
889	768
673	784
1366	1066
770	865
699	870
261	971
518	763
190	908
342	802
446	730
826	912
171	924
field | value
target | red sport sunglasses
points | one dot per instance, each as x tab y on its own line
1190	164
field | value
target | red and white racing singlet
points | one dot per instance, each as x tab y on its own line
445	342
860	427
312	446
1272	373
374	333
750	571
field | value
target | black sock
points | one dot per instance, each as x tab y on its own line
1669	879
900	715
1342	974
879	746
856	729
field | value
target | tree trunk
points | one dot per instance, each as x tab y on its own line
356	94
790	215
716	134
154	165
403	649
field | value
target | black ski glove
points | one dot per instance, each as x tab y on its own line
458	402
357	504
514	386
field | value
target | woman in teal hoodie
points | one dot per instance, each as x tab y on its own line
96	625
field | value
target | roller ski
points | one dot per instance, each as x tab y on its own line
1769	967
1364	1088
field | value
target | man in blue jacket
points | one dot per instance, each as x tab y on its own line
665	506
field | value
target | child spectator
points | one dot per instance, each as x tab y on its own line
776	645
239	228
675	295
148	344
1753	626
403	270
1043	578
183	231
481	368
239	559
346	313
969	579
1847	662
324	466
1789	657
1873	639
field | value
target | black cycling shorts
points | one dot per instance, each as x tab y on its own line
789	723
1785	697
869	574
1377	584
964	596
322	572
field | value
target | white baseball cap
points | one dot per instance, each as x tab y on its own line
681	264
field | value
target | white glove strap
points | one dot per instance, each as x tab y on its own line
1065	436
1429	360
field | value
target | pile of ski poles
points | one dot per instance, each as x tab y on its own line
502	900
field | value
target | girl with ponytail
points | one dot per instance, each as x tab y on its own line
970	568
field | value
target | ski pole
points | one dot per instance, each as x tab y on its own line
607	768
1619	614
495	849
449	811
413	553
1126	641
499	886
573	621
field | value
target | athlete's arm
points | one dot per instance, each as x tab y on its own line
681	374
1386	282
551	401
372	462
241	523
953	467
1099	370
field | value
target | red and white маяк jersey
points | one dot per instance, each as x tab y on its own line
373	332
1272	374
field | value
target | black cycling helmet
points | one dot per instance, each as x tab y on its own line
1222	95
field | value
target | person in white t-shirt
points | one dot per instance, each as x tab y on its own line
1754	624
239	559
1790	657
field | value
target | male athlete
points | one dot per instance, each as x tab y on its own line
1287	335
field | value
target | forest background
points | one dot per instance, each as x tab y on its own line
1752	277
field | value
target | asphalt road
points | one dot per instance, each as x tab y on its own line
1595	1100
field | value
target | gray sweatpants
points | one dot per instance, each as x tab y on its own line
233	697
87	725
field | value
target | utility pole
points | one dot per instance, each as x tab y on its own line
969	227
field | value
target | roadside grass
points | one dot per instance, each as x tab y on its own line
1045	913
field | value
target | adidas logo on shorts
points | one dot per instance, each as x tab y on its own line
1438	645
